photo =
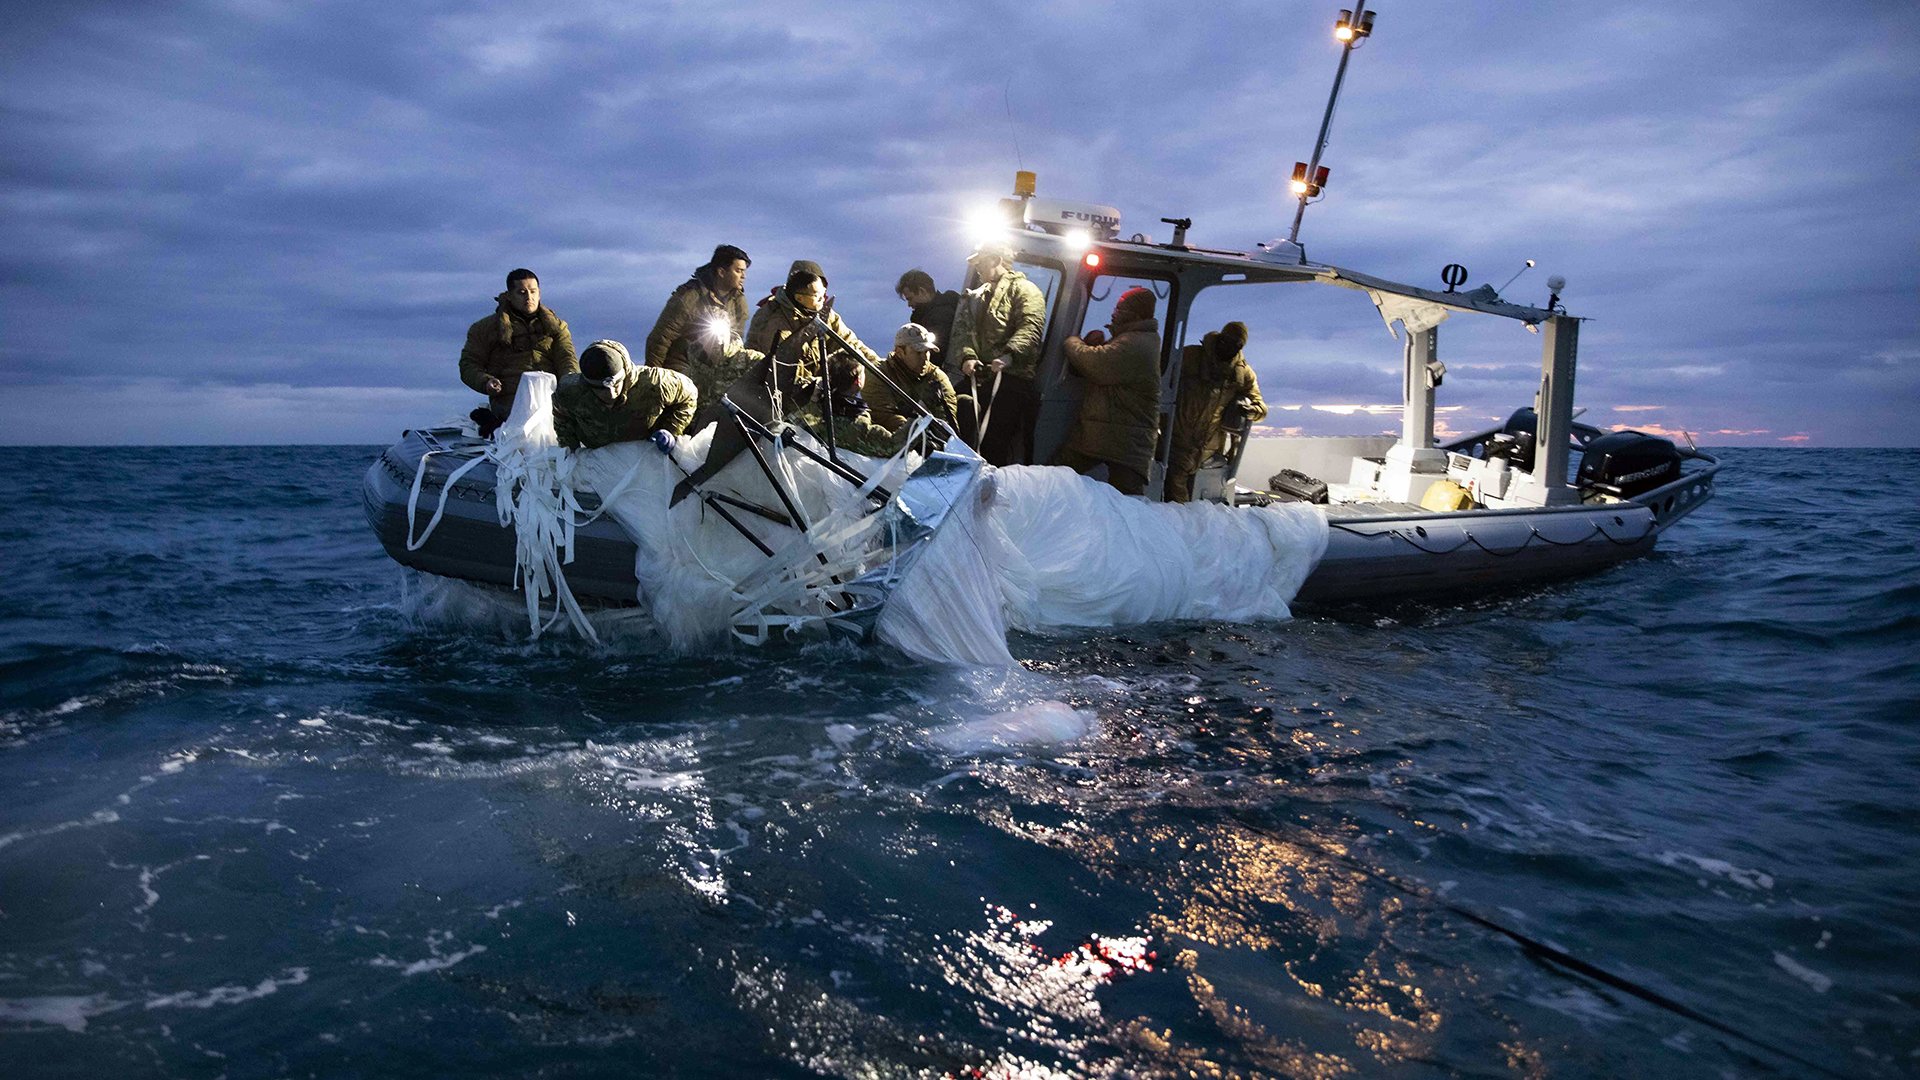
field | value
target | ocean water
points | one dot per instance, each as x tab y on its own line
271	809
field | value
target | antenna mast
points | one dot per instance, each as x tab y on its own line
1308	176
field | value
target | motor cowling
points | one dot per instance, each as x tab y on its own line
1515	441
1627	463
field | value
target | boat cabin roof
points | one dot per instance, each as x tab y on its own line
1281	262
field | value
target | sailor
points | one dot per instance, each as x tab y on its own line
520	336
703	321
1218	394
610	400
930	307
853	428
789	311
995	351
1119	416
911	368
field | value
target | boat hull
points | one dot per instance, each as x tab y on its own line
1392	556
470	542
1374	554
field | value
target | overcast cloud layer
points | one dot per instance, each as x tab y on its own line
259	222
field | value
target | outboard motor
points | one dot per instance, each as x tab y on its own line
1515	441
1626	463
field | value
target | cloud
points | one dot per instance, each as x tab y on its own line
240	196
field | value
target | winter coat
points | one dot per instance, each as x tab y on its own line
686	319
778	314
937	315
929	386
507	344
854	430
647	399
1119	416
716	367
1005	318
1208	383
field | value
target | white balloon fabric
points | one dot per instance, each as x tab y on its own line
1033	548
1049	548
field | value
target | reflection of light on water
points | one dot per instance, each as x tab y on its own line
1326	926
663	781
1051	998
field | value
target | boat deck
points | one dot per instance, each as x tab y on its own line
1373	509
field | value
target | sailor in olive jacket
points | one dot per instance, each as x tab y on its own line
708	309
520	336
997	334
788	312
854	430
610	400
910	366
1119	415
1217	390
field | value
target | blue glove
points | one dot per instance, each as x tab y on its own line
663	439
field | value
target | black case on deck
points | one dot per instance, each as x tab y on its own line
1297	486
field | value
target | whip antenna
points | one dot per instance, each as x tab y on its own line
1013	130
1309	177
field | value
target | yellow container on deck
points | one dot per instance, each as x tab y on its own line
1446	495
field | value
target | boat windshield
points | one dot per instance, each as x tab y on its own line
1044	275
1104	290
1328	365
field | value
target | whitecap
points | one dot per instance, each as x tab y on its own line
432	963
67	1012
227	995
1820	983
1720	868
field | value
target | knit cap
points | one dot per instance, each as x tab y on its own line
1134	304
1233	337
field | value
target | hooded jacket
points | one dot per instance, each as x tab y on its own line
937	315
1208	383
928	386
1119	416
1005	318
778	315
685	319
645	400
507	344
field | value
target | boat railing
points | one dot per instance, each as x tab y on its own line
1677	498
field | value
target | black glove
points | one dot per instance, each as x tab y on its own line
802	392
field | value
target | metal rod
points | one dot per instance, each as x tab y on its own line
899	393
713	501
787	501
1326	122
844	472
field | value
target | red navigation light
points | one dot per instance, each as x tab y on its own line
1093	260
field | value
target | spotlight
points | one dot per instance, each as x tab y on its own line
986	225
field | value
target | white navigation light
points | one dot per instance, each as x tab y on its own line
1078	239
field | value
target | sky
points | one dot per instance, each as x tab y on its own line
251	222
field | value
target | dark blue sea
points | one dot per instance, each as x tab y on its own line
263	813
